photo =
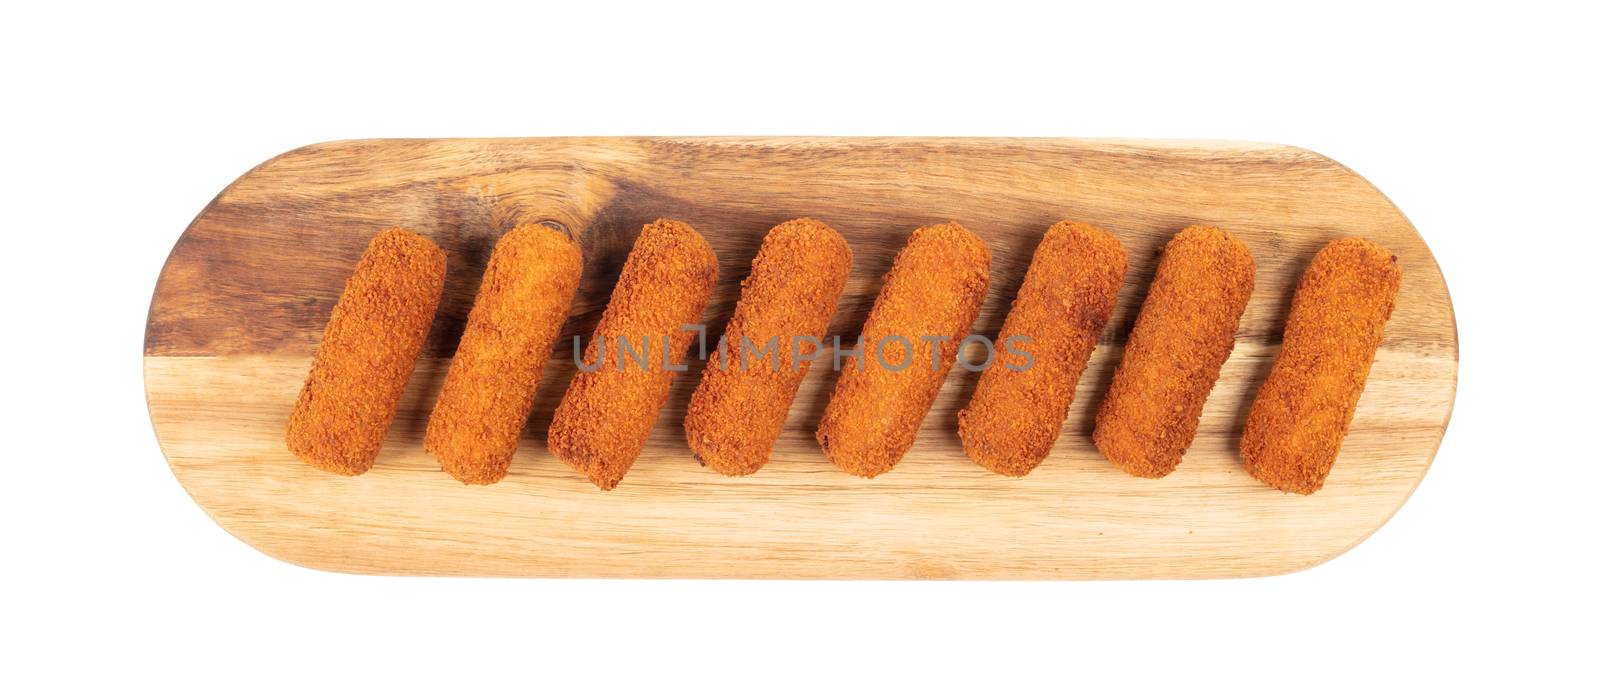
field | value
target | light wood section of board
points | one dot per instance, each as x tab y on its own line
241	303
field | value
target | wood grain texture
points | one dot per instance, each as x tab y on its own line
243	298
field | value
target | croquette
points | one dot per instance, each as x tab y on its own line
607	413
522	302
367	353
785	305
933	291
1183	335
1336	320
1065	300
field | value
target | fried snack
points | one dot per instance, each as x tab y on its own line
368	351
1015	415
1182	336
606	415
934	289
1303	410
791	294
515	320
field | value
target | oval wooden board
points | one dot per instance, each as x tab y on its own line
241	303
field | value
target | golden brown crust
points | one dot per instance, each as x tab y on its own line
607	414
1015	415
367	353
515	321
935	288
793	290
1173	357
1303	411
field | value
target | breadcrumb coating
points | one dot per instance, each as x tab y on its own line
935	288
1015	415
1184	333
793	290
483	406
1303	411
367	353
607	414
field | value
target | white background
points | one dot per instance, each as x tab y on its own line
120	123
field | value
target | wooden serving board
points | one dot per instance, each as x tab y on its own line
242	301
